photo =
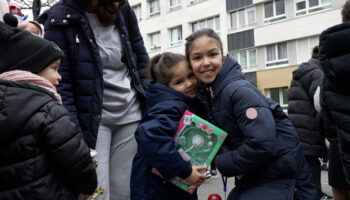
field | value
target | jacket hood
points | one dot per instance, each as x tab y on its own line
159	93
18	103
334	41
305	67
230	71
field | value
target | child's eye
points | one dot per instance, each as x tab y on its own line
213	54
196	58
178	82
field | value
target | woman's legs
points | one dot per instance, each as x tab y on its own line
340	194
103	146
123	150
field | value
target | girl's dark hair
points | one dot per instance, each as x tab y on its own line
83	3
160	67
315	52
346	11
197	34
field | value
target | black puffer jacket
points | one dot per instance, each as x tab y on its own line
335	90
301	110
42	153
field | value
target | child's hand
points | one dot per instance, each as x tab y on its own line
196	178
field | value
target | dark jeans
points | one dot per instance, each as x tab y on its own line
314	165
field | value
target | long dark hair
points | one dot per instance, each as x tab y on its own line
85	3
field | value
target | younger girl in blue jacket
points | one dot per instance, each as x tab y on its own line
171	92
263	149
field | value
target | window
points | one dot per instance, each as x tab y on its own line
309	6
175	4
247	58
137	10
280	95
213	23
276	54
195	1
274	11
155	40
304	48
242	19
176	36
154	7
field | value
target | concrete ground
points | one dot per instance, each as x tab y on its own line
214	185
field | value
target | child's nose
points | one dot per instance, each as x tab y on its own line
59	77
206	61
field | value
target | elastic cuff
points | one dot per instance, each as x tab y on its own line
186	172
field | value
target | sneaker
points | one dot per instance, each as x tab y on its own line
326	197
213	173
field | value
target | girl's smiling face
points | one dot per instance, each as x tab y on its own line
206	58
183	79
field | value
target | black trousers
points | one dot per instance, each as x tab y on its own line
314	165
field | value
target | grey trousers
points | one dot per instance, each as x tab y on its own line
116	147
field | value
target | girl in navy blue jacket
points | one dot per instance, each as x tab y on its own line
263	149
172	91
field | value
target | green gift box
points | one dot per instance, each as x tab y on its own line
198	142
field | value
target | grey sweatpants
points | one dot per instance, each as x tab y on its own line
116	147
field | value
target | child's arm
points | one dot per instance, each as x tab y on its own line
156	143
68	154
257	125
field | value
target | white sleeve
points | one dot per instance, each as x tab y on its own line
317	104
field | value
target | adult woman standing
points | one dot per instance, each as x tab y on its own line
102	81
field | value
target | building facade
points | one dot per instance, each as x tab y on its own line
269	38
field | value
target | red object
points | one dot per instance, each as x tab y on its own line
214	197
14	8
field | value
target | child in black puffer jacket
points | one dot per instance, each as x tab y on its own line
42	153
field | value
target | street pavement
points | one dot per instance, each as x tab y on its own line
214	185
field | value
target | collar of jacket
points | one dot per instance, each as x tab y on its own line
158	92
230	71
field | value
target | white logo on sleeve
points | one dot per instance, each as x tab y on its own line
251	113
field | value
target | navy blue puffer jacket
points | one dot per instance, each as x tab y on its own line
264	152
82	86
156	146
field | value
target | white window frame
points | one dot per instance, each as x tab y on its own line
177	6
138	13
180	39
275	17
157	7
204	23
308	9
153	44
245	25
284	105
278	61
249	65
311	43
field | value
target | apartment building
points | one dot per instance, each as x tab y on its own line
269	38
